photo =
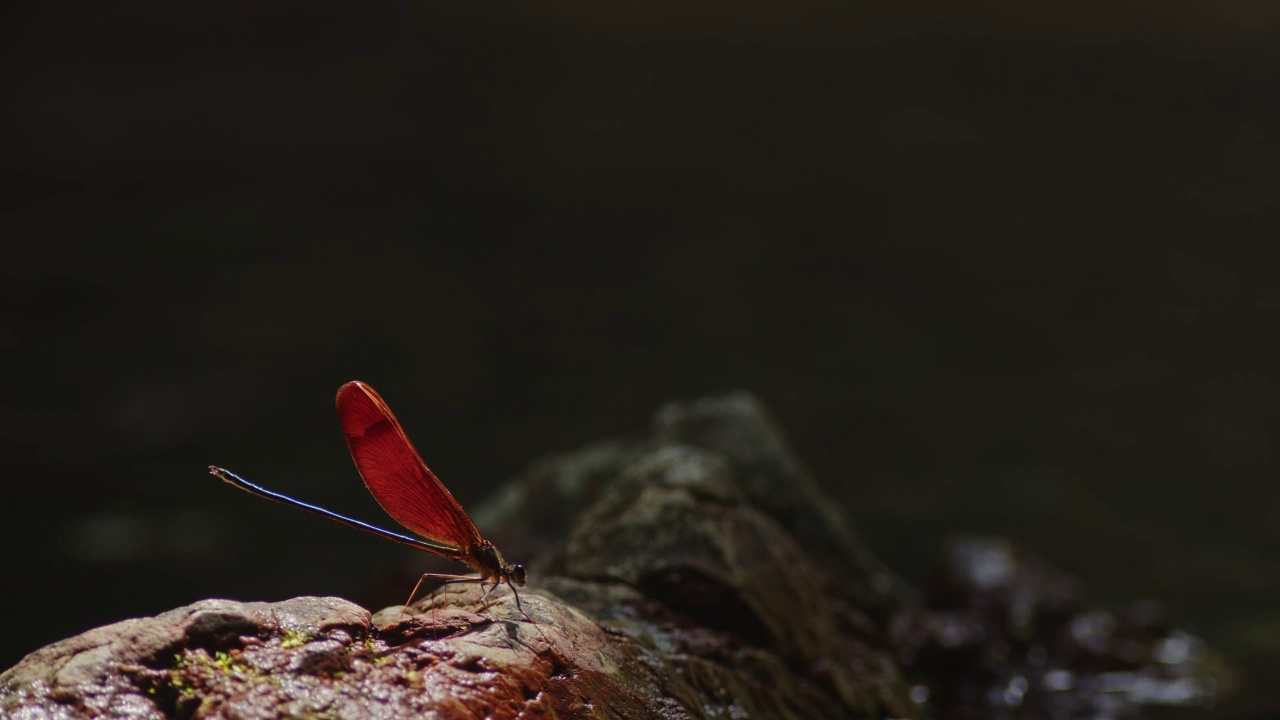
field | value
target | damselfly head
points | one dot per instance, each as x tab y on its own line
515	574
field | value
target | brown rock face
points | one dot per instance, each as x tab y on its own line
698	572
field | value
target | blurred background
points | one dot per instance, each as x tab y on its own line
1005	268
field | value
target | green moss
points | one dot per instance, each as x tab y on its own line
193	662
224	660
295	638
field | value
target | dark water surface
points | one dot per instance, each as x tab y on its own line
1008	274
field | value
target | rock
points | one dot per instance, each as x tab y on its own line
697	572
149	667
999	633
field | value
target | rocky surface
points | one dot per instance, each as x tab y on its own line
999	634
696	572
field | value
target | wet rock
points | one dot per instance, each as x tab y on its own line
694	572
998	633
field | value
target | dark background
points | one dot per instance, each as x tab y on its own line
1000	268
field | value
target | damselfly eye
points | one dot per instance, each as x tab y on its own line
517	574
